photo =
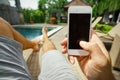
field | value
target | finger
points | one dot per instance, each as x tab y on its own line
92	48
71	59
64	42
64	50
83	44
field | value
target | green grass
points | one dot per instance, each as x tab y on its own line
103	27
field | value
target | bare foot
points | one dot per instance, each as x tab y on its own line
36	42
44	32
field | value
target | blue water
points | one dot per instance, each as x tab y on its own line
31	32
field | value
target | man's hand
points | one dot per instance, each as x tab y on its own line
96	66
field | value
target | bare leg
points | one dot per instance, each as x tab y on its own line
48	45
7	31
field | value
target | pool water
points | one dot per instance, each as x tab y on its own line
31	32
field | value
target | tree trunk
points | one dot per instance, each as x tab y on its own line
118	20
106	17
115	16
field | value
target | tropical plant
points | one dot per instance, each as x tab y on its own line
26	14
103	27
33	15
101	5
48	6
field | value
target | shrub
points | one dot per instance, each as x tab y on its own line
103	27
35	16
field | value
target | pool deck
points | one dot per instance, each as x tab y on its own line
57	38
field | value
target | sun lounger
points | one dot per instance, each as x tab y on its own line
115	30
32	61
96	21
93	18
111	34
109	37
115	53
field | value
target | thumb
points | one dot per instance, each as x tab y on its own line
85	45
71	59
92	48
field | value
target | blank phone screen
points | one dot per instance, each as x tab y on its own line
79	27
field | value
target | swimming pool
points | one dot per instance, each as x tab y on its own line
31	32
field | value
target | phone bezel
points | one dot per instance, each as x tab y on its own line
77	10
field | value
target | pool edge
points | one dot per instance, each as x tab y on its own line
50	33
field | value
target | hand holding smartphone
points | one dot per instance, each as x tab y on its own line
79	21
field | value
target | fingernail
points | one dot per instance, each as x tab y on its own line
71	61
83	43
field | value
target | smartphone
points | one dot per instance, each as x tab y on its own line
79	21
